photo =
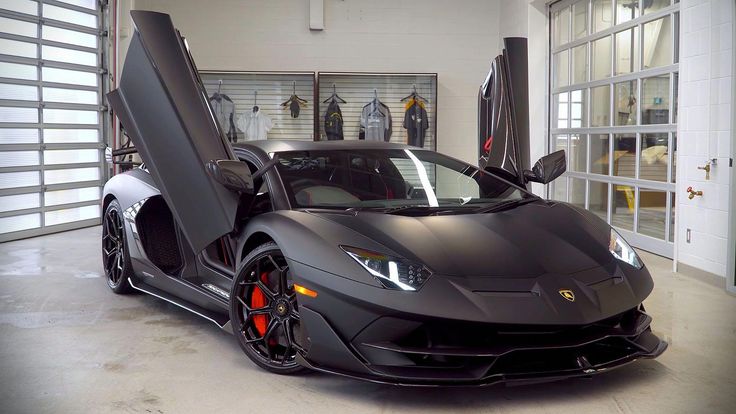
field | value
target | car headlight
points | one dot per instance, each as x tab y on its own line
622	251
391	272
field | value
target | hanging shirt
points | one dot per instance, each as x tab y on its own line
416	123
255	125
375	122
333	122
224	110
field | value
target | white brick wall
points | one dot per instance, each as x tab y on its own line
704	131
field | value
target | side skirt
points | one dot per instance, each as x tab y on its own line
221	321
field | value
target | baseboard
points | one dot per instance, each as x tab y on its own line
701	275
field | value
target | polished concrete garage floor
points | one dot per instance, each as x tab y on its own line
69	345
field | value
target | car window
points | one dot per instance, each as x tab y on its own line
387	178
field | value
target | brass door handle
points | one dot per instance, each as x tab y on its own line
707	170
693	193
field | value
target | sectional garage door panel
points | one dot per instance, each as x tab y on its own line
51	116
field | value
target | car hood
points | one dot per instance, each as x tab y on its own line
527	241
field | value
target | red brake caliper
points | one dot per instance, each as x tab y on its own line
258	300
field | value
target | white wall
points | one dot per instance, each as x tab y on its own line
704	132
456	40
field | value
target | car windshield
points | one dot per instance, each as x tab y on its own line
389	179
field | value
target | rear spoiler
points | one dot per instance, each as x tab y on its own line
127	149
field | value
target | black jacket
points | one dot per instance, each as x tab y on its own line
333	122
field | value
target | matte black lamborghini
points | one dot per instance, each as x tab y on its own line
373	260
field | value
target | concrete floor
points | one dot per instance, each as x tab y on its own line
69	345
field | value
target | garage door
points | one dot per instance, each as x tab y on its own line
51	118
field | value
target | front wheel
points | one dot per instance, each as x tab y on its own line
264	312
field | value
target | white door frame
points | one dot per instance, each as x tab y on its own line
731	265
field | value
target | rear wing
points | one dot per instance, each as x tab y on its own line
118	156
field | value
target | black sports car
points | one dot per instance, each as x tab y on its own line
373	260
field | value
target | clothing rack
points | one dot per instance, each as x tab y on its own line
357	89
273	89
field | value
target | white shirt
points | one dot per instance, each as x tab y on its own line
255	125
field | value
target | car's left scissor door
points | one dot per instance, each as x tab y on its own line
163	107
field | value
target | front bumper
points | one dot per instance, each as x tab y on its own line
516	356
346	334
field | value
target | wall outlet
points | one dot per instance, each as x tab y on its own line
687	235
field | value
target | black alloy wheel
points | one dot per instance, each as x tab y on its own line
264	312
115	259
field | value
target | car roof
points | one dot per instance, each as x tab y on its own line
276	145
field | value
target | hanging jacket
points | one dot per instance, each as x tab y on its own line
224	110
375	122
333	122
416	123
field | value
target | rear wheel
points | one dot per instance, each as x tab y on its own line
115	257
264	312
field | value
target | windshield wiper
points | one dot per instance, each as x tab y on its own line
408	209
429	211
505	205
393	210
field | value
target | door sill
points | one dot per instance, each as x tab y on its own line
222	322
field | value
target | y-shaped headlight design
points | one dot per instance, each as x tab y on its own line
391	272
622	251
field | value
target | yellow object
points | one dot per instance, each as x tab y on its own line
304	291
693	193
707	170
629	193
567	294
411	102
629	197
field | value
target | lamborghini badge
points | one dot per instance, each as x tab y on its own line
567	294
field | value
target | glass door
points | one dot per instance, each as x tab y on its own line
613	109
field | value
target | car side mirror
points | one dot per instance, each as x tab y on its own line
234	175
547	168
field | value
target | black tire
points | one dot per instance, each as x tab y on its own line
115	255
268	341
